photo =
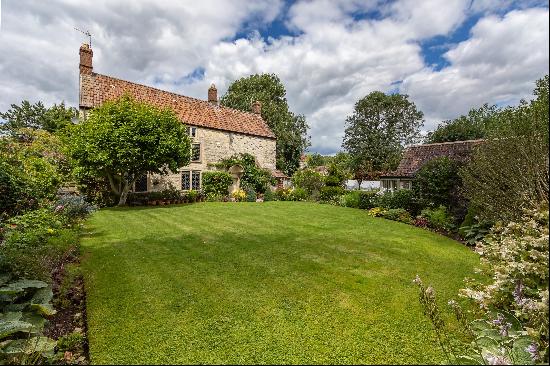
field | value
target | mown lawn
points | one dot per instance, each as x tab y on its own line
276	282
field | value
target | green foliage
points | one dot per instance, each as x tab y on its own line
124	139
314	160
515	256
331	194
71	342
438	183
268	195
73	207
308	179
283	194
472	126
379	127
30	171
36	116
299	194
351	199
510	170
23	306
397	214
192	196
368	199
439	219
289	128
216	182
402	198
253	177
336	176
250	195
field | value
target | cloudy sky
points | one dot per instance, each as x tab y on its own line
448	55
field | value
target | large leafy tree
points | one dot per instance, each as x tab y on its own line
472	126
124	139
289	128
378	129
510	170
36	116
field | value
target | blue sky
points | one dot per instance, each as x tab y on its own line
447	55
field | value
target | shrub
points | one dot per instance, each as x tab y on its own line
368	199
253	176
268	195
397	214
402	198
336	176
439	219
216	182
250	195
191	196
212	197
438	183
351	199
298	194
73	207
283	194
376	212
309	180
239	195
331	194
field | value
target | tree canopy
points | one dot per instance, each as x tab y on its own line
36	116
474	125
124	139
289	128
378	129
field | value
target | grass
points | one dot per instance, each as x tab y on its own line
277	282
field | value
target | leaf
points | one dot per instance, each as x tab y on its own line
11	315
519	353
31	345
4	278
10	327
21	285
467	360
511	318
41	301
38	322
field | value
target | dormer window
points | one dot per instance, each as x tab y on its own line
192	131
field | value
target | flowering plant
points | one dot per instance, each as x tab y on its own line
239	195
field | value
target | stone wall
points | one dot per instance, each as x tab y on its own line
216	145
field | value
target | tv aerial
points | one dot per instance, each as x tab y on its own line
86	33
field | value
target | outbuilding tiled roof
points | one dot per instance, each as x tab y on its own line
416	156
97	88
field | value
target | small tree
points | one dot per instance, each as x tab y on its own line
125	139
36	116
378	129
309	180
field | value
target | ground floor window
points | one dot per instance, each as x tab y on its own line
191	179
389	184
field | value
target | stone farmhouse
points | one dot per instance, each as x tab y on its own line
416	156
217	132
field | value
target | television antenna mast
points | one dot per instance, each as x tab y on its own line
86	33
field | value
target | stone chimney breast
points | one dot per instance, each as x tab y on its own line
257	107
86	55
213	94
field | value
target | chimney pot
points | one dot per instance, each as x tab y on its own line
257	107
213	94
86	55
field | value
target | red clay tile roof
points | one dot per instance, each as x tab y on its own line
97	88
416	156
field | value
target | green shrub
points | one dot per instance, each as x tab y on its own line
250	195
438	183
397	214
402	198
336	176
308	179
212	197
283	194
351	199
368	199
299	194
71	342
216	182
253	176
191	196
439	219
331	194
268	195
73	207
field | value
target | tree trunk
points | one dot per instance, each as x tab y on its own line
359	181
124	193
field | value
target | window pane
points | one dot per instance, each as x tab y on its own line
196	152
192	131
196	180
185	180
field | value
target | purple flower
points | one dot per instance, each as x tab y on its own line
504	329
499	320
533	350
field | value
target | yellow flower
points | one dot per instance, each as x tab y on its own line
51	231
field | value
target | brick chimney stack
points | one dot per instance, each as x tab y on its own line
213	94
86	55
257	107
